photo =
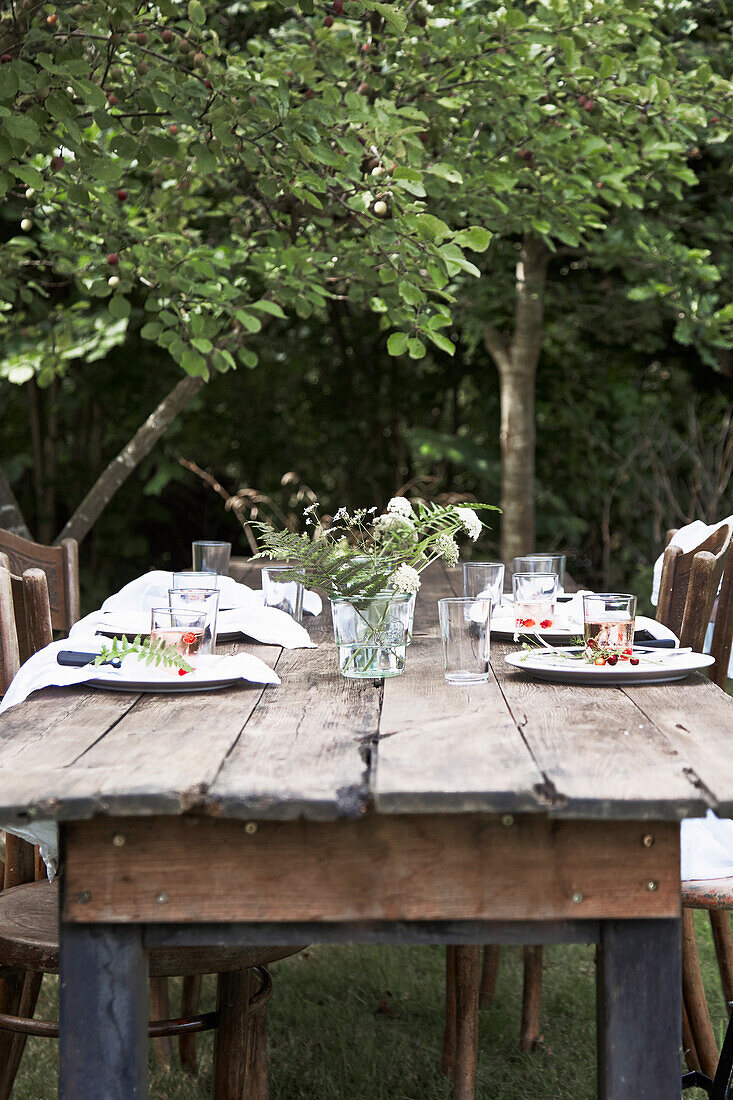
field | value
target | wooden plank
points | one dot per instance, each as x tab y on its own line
403	867
695	719
305	751
104	1014
446	748
600	756
638	983
256	934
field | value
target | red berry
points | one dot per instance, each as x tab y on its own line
112	99
113	259
173	130
188	638
5	58
338	7
628	650
208	84
633	660
56	163
613	659
182	672
592	643
51	19
142	38
363	88
365	48
589	105
582	101
546	624
715	119
328	21
309	93
529	622
122	194
167	35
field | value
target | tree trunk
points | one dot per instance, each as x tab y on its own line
11	517
130	456
516	363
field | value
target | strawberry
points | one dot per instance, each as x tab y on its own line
189	638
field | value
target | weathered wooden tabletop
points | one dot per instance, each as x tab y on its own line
321	747
411	810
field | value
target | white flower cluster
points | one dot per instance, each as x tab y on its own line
446	548
400	506
392	525
311	514
405	579
471	523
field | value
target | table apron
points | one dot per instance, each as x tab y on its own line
377	868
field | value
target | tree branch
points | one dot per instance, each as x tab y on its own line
130	456
11	517
496	346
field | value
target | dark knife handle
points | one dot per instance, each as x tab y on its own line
656	643
74	658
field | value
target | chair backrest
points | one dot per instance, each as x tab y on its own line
689	585
25	620
61	566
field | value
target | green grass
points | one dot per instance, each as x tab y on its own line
364	1023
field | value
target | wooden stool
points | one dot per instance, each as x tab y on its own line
29	944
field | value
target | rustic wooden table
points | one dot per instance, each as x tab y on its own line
329	811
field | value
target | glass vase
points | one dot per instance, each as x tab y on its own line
371	635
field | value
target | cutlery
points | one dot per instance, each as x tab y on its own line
75	658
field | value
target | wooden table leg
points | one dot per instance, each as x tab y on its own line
468	977
104	1013
639	1010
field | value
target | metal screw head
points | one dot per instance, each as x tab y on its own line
507	821
652	885
84	898
647	840
119	839
577	897
162	898
250	828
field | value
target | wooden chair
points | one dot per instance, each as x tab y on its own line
688	588
29	927
61	566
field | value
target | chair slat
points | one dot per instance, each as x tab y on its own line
61	566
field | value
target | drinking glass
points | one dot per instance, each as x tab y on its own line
182	629
200	600
286	595
465	631
484	578
211	556
543	563
608	625
534	600
189	578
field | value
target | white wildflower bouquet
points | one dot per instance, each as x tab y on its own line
361	553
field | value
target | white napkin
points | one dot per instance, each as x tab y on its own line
242	606
706	848
43	670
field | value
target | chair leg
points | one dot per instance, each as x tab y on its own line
160	1010
26	1008
448	1057
468	977
489	972
260	1087
694	994
688	1043
720	926
232	1079
190	997
531	998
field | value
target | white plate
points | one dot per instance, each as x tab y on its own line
502	628
652	668
208	676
